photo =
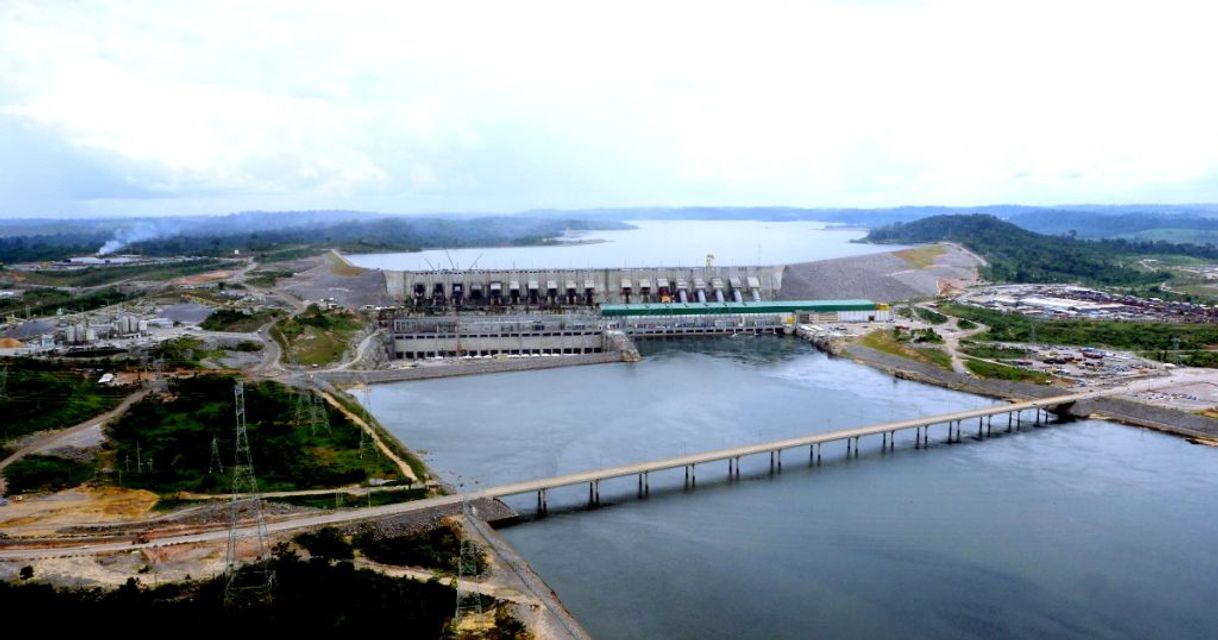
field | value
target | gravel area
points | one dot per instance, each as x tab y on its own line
189	312
351	287
882	277
1116	409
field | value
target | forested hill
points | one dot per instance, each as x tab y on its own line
1018	255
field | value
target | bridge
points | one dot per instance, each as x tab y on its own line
952	425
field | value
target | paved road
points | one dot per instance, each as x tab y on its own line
531	486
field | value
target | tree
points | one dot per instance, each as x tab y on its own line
27	572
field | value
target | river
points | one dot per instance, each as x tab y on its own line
1086	529
668	243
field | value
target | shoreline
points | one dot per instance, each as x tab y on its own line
1194	428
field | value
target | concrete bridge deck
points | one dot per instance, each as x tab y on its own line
886	430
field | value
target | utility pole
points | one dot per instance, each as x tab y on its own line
253	584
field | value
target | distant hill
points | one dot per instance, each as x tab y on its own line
1019	255
1148	225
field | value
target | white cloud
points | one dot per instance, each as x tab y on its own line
502	106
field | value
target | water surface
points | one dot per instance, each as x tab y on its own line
1086	529
668	243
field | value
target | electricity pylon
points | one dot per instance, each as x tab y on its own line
469	566
254	583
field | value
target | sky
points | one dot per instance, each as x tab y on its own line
165	107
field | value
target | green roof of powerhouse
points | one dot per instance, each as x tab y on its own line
734	308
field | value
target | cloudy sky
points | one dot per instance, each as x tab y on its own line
166	107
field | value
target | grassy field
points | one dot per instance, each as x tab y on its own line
95	276
921	257
238	321
43	302
46	395
1003	372
317	337
885	341
164	443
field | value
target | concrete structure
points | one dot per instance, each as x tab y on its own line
457	336
556	288
580	333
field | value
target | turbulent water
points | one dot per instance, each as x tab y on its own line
668	243
1086	529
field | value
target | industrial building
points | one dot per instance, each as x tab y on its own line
414	337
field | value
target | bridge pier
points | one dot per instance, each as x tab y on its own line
979	421
541	502
1038	416
691	478
989	426
594	493
771	463
737	467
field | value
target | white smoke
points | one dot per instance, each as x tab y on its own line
139	232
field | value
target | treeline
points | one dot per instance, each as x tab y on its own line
272	231
1094	224
1019	255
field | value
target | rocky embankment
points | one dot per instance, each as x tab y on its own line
1195	427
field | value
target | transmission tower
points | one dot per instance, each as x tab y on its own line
3	382
310	410
469	564
255	582
215	465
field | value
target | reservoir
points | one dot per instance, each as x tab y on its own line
669	243
1084	529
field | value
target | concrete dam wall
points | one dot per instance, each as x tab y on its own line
557	288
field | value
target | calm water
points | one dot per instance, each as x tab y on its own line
653	243
1079	530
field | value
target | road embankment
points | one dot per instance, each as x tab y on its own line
1129	412
466	368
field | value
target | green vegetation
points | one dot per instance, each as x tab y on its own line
95	276
1011	327
1004	372
164	443
350	404
44	302
930	316
966	325
236	320
182	352
315	336
901	344
46	473
1017	255
47	395
248	346
267	279
437	548
992	351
